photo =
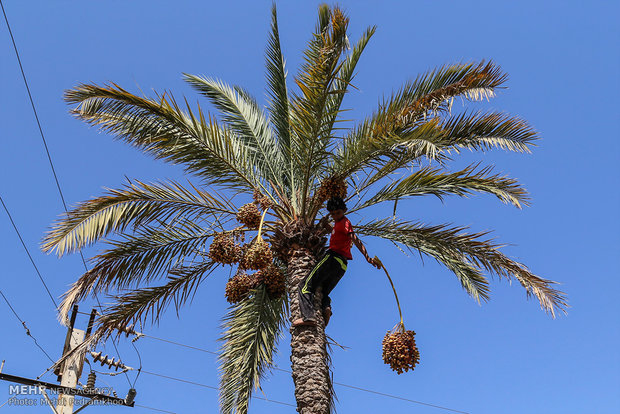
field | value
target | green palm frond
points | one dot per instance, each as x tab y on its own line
148	304
484	131
339	89
434	140
418	107
241	112
454	248
344	77
279	107
143	304
136	204
434	242
433	91
138	258
161	128
252	329
433	181
362	150
316	79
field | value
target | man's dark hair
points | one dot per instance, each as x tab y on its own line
336	203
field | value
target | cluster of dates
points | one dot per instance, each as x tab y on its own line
257	255
332	187
400	351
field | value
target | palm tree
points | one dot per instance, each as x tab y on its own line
290	158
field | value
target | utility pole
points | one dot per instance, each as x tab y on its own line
70	370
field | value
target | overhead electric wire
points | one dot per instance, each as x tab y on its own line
27	251
140	368
180	344
34	109
154	409
212	387
26	328
336	383
49	157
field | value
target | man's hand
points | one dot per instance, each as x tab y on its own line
324	224
374	261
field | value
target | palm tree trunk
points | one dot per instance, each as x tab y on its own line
309	357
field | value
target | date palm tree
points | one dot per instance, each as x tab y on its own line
289	156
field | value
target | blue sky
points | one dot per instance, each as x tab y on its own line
506	356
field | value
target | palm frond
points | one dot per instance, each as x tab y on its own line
433	181
339	89
148	304
429	241
433	91
457	249
345	77
241	112
162	129
417	107
136	204
279	107
138	258
484	131
315	81
361	149
434	140
252	329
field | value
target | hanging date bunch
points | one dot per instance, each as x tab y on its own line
242	255
399	349
239	286
249	215
273	279
262	200
223	248
259	255
332	187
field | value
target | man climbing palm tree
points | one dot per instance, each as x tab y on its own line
332	266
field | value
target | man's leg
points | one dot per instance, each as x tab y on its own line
306	290
336	272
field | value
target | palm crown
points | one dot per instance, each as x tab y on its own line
291	156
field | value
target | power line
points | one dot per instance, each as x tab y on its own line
335	383
399	398
26	328
287	371
49	157
34	109
154	409
212	387
180	344
43	281
27	251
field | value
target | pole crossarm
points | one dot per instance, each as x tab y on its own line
66	390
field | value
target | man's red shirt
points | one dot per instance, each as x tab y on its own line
341	240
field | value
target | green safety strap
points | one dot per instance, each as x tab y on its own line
342	263
305	288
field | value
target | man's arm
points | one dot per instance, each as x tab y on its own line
324	225
360	246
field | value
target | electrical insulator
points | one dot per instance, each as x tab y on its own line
131	395
90	382
97	357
